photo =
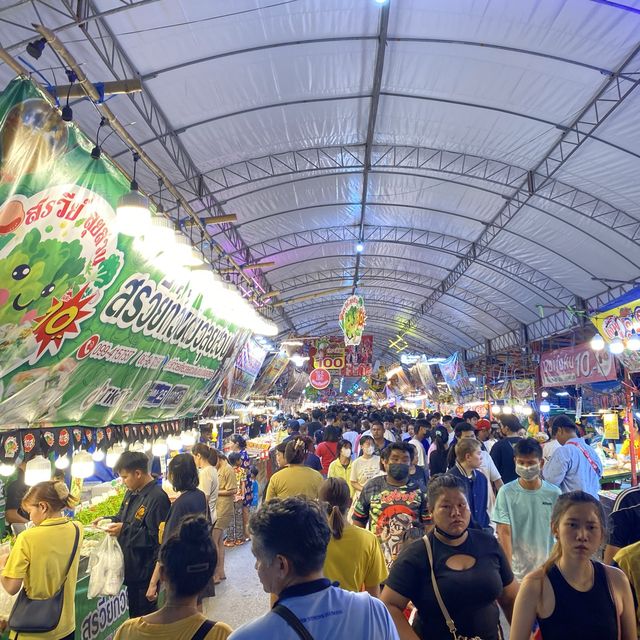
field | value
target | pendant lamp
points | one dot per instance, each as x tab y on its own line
132	213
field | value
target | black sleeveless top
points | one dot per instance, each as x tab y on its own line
588	615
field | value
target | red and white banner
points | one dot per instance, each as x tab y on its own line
576	365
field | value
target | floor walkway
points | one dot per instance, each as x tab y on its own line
240	598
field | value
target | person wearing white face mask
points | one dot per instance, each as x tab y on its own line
341	466
523	511
365	467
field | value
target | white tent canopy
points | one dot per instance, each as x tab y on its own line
485	152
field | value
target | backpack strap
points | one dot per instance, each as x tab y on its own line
292	620
203	630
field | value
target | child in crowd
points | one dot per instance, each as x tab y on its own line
468	463
255	488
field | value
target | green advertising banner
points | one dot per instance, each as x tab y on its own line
93	330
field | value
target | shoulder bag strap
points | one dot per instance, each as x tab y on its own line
203	630
590	460
292	620
450	623
615	602
73	551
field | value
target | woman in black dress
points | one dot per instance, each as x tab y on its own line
471	573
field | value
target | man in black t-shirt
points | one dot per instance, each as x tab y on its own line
624	523
502	451
15	491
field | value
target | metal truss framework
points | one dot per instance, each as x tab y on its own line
609	98
518	271
373	275
392	303
383	317
106	45
351	157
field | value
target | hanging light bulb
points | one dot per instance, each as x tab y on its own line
82	465
38	469
159	236
160	448
132	213
174	443
202	280
527	410
597	342
147	446
7	469
507	410
616	346
184	252
62	462
188	438
138	447
113	454
633	343
545	394
496	408
98	455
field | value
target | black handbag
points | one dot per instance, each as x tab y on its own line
40	616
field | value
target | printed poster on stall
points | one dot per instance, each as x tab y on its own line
330	353
93	330
576	365
455	375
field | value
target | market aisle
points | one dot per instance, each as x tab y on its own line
240	598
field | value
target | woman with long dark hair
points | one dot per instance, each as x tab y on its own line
438	451
572	595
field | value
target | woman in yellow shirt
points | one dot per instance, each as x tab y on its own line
41	554
354	557
187	562
295	479
341	466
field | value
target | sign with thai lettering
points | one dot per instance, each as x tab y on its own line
93	330
576	365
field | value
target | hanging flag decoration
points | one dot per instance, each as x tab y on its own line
352	319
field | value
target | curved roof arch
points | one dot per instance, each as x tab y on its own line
487	157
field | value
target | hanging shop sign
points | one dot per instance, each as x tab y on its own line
520	389
352	320
92	330
241	378
621	319
319	378
270	374
576	365
421	376
358	359
455	375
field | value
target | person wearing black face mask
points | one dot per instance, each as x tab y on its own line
389	505
470	570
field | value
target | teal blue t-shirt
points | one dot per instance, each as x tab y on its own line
528	513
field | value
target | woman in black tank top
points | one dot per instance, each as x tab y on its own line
572	596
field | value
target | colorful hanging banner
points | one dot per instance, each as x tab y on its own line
422	376
619	319
610	421
270	373
358	359
239	381
352	319
92	329
576	365
455	375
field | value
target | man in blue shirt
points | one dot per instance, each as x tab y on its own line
575	465
468	461
289	541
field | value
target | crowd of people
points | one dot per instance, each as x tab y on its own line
374	525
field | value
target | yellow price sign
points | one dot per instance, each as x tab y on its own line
610	421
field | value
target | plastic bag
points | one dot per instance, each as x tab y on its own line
106	569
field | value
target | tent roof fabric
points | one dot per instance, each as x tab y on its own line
485	152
